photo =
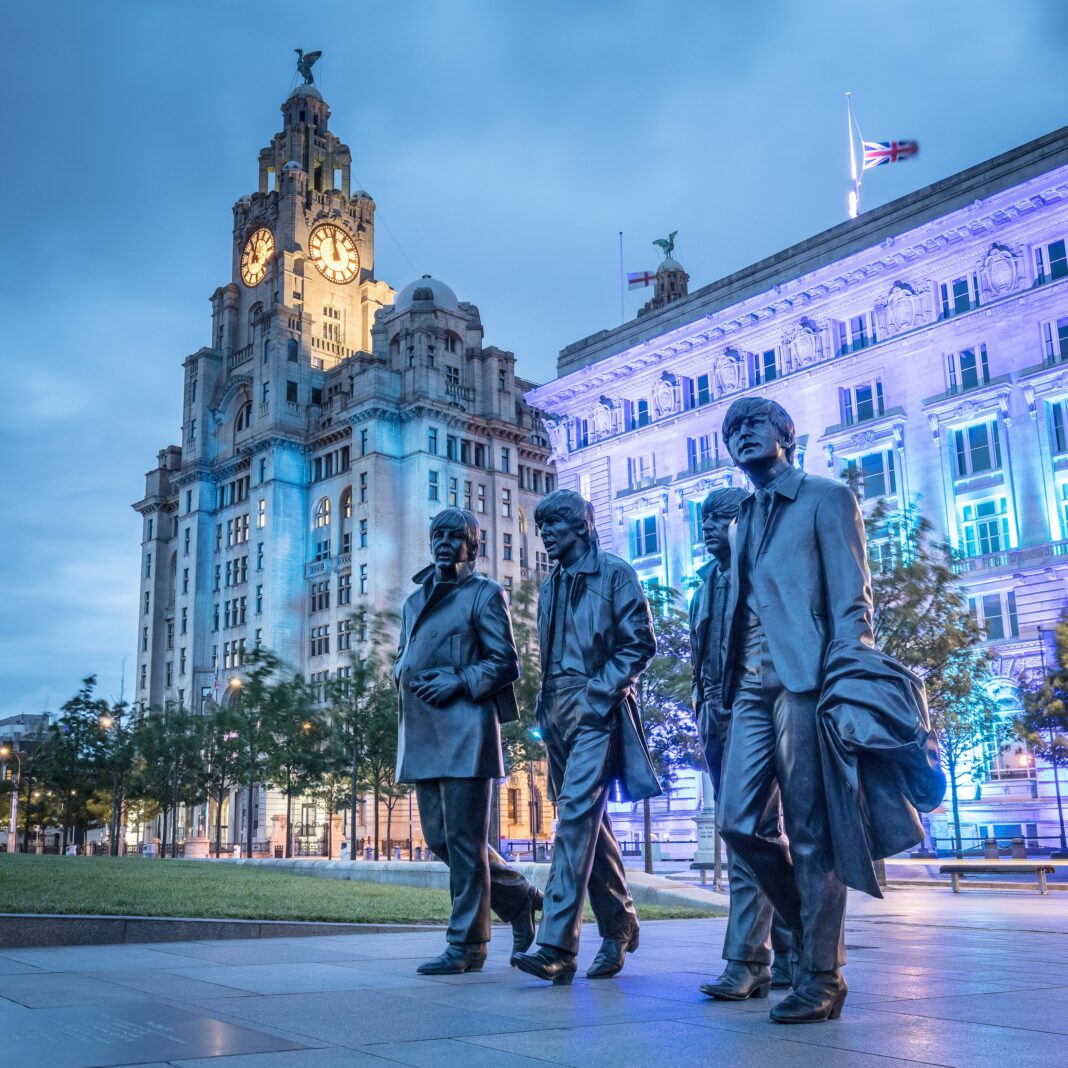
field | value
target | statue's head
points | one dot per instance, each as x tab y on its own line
755	429
562	518
719	510
454	537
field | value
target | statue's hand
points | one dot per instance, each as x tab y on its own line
437	687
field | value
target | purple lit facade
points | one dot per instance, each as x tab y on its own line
924	345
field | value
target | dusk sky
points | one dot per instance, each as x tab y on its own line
506	144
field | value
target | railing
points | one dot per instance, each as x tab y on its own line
1011	558
317	567
459	393
239	357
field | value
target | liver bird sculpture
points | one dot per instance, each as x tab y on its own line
305	62
666	244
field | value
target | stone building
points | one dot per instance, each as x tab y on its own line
923	346
325	423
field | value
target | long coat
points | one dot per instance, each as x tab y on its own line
809	576
463	626
615	630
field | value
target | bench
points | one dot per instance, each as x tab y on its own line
958	871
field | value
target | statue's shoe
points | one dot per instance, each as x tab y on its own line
612	954
818	997
457	959
741	980
523	923
549	963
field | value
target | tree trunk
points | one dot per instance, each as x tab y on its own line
389	832
163	836
354	802
289	815
218	824
951	766
647	830
376	823
329	832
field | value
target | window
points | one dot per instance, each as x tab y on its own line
1051	262
507	543
644	538
432	440
344	635
146	602
467	495
214	617
181	661
1058	423
144	640
482	544
322	513
967	369
186	536
148	529
452	376
265	392
261	514
985	526
320	640
185	580
507	583
550	483
700	451
506	503
148	565
996	614
259	600
218	536
192	430
291	392
144	676
320	595
641	412
263	470
259	556
763	366
976	448
698	391
363	578
862	402
218	576
188	500
506	461
856	334
344	589
185	620
642	469
363	533
454	491
581	433
322	550
874	472
169	678
502	378
170	633
363	442
541	562
481	499
959	295
1055	340
363	487
244	417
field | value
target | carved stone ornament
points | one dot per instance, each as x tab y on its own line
728	372
805	344
1000	270
663	397
557	432
603	417
902	308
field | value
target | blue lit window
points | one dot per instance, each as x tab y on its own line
875	472
1055	340
968	369
985	526
862	402
644	537
976	449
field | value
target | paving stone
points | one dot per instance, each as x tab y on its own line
325	1057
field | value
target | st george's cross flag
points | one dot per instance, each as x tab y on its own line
876	153
641	279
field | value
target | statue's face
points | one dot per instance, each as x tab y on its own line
714	528
449	547
754	441
558	537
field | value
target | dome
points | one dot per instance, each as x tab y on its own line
305	91
291	165
426	289
670	264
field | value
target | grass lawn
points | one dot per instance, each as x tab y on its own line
135	886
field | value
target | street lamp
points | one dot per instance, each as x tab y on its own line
236	685
535	733
12	834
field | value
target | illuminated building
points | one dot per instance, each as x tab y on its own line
925	346
325	423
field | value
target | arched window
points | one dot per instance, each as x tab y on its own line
345	508
522	520
322	513
244	416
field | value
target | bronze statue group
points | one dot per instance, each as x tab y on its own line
818	745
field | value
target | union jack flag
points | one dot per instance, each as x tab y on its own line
876	153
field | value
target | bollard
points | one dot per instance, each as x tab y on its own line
990	849
1019	850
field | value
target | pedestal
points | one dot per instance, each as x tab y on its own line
196	847
707	839
278	835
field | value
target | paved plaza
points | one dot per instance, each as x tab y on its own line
973	980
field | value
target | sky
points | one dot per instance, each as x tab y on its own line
506	145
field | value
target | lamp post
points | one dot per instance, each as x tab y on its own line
535	733
13	821
235	685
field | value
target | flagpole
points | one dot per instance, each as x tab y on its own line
854	193
622	278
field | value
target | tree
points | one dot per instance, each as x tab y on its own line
293	739
171	770
921	618
380	753
663	696
1044	722
353	702
222	760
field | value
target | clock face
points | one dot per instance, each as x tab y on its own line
334	253
259	249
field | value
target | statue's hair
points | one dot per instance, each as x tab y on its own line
723	502
458	519
776	414
572	507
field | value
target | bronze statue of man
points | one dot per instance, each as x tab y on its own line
595	634
753	926
799	581
455	671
